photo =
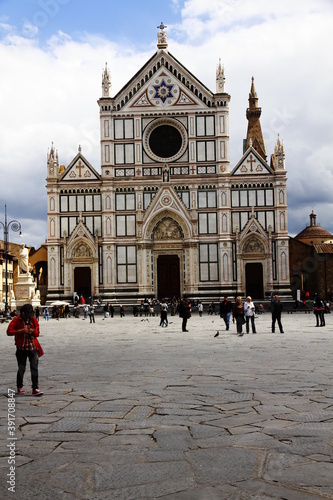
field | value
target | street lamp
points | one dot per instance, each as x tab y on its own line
15	226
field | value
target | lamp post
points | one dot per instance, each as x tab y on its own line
15	226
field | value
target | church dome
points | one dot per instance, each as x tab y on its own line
313	234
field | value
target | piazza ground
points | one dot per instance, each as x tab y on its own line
135	411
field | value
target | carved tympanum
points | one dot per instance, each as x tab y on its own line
167	229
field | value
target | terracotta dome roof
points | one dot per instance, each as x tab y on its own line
314	232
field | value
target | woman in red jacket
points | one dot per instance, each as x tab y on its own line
25	327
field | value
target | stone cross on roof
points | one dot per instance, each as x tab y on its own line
162	37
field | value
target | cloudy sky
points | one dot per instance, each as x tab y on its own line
52	54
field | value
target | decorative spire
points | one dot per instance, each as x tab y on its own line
52	154
253	94
52	162
278	156
220	78
106	82
279	148
254	132
162	37
79	148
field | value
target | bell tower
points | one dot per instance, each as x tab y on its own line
254	132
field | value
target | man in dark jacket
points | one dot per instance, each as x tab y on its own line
184	312
25	328
276	309
225	311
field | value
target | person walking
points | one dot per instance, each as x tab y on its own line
238	315
225	311
92	313
25	328
122	311
276	309
67	311
164	313
106	310
46	314
319	310
111	310
249	311
200	308
184	312
37	313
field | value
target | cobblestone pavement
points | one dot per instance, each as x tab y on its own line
135	411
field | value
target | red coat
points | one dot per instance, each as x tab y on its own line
17	324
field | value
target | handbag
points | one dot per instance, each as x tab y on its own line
240	320
39	348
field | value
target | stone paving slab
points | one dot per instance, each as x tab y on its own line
134	411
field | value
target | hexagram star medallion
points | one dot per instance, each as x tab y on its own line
162	91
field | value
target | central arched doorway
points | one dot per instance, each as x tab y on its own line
254	280
82	281
168	276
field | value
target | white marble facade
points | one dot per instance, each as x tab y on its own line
165	213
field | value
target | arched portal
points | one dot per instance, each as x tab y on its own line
168	250
255	260
168	276
254	280
82	281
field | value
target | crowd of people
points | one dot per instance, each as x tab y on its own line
242	313
24	326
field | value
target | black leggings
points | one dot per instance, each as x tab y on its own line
22	356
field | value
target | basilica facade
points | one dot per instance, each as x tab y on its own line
166	214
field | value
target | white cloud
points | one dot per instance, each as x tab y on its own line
49	94
29	30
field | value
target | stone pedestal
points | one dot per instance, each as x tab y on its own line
26	292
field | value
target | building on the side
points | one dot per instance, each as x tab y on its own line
166	214
311	261
38	262
11	261
7	263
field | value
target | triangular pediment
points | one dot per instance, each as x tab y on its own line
163	82
166	198
166	202
79	170
81	238
251	164
253	227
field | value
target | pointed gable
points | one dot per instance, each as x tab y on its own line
162	82
80	170
253	237
80	243
251	164
167	203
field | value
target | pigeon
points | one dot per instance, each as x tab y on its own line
217	334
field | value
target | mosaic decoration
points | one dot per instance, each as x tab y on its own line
163	91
